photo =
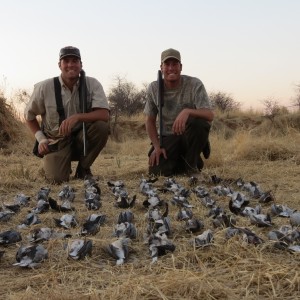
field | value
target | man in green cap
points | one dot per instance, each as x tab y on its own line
66	128
186	117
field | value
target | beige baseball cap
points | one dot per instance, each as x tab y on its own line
170	53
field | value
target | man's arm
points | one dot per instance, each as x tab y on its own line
153	135
179	124
97	114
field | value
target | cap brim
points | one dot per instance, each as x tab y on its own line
74	55
168	57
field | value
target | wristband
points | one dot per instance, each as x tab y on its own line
40	137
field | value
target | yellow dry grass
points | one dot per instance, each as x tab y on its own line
229	269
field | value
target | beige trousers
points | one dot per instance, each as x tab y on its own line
57	165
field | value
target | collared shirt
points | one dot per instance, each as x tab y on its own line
190	94
42	102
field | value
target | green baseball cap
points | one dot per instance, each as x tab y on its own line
69	51
170	53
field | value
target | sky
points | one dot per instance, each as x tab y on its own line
248	49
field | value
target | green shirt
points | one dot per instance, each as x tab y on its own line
190	94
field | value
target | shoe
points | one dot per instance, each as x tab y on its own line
82	173
206	150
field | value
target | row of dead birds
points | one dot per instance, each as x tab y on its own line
159	227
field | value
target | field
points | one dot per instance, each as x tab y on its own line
246	146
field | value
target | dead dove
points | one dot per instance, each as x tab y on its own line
22	200
92	225
193	225
223	220
67	194
237	202
200	192
66	221
247	211
10	237
6	214
295	219
125	201
79	249
260	220
222	190
184	214
126	229
43	193
181	201
162	225
153	202
41	207
45	234
31	256
159	245
92	201
203	240
253	188
31	219
281	210
266	197
92	183
119	250
250	237
64	207
117	183
125	216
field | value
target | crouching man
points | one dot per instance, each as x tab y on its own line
61	138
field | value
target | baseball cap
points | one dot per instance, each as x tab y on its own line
170	53
69	51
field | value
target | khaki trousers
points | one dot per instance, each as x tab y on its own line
57	165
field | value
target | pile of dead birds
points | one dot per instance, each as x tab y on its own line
226	201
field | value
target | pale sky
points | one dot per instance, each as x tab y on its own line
247	48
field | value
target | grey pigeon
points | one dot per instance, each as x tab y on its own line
237	202
281	210
184	214
125	229
159	245
41	207
31	256
22	200
67	194
31	219
45	234
10	237
295	219
193	225
261	220
203	240
66	221
125	201
92	225
6	214
119	250
79	249
125	216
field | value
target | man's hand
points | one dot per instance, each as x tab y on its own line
155	155
179	124
67	125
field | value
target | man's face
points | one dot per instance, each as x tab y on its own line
70	67
171	69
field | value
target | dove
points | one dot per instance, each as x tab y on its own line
31	219
260	220
125	201
159	245
79	249
295	219
45	234
31	256
237	202
126	229
67	193
281	210
66	221
125	216
119	250
10	237
92	224
204	239
193	225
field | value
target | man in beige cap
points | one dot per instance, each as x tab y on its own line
61	139
186	117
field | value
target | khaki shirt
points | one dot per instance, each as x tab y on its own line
190	94
42	102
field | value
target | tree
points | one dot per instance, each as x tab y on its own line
296	99
224	102
271	108
125	98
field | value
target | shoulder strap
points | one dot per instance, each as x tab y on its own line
58	98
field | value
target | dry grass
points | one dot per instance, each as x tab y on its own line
229	269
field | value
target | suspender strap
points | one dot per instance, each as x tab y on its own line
58	98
